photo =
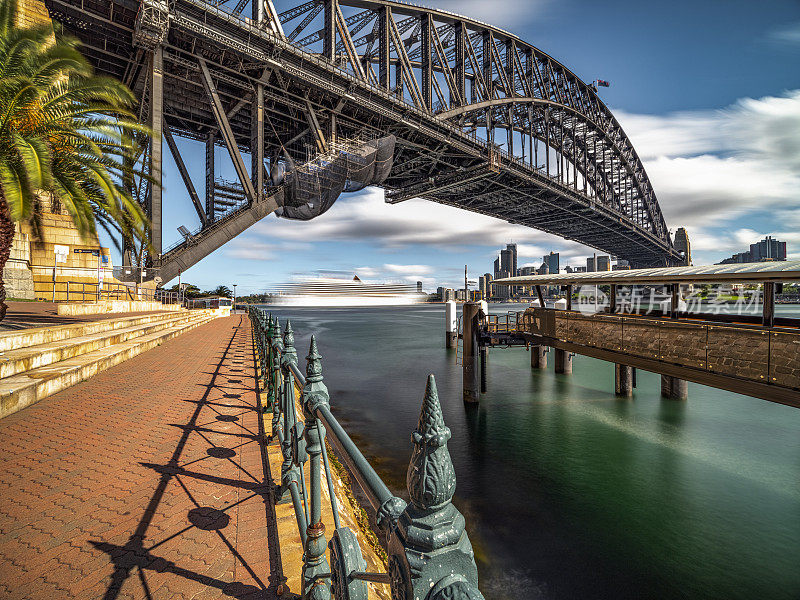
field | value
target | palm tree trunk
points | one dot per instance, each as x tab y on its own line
6	239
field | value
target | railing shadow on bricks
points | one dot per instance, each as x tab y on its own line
430	555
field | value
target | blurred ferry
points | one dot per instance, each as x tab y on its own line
334	291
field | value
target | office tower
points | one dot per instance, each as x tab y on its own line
552	262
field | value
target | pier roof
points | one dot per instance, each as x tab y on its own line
776	271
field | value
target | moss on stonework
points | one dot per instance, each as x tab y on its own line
362	518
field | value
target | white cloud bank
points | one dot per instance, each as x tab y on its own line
718	164
365	217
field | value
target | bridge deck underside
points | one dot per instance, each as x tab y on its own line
431	153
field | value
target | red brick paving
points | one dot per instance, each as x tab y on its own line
145	481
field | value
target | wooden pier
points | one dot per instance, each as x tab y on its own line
752	354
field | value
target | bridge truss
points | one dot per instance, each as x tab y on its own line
484	121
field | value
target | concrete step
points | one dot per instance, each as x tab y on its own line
23	359
34	336
24	389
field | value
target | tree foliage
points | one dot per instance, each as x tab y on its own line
64	132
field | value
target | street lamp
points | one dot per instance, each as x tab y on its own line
234	296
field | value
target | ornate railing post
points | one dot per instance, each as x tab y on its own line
316	571
274	381
267	373
286	398
430	555
264	357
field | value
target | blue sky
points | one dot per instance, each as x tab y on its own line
709	92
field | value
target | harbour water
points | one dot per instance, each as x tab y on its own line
568	491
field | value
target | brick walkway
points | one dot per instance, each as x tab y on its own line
147	481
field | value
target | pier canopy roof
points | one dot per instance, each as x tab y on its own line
777	271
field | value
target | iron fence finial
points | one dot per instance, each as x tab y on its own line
430	544
314	362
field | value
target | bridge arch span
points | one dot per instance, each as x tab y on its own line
291	83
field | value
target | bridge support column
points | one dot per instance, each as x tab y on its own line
623	380
471	354
156	124
674	388
538	357
450	325
257	142
563	361
210	210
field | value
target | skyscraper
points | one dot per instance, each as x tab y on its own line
552	262
768	249
485	285
506	262
765	250
682	245
512	248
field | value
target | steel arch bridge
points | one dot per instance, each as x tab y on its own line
484	121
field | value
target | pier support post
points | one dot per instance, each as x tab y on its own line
470	355
623	380
450	325
538	357
563	361
674	388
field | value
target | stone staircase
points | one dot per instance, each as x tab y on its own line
35	363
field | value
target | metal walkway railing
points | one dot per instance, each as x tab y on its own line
430	555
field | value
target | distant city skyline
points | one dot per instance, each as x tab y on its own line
764	250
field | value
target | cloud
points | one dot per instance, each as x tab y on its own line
244	250
409	269
508	14
248	247
789	34
715	165
365	217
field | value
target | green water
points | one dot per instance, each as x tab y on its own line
568	491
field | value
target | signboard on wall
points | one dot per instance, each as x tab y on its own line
61	252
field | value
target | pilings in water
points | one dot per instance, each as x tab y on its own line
470	356
623	380
563	361
674	388
450	325
538	357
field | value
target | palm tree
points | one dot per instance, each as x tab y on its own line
223	291
63	132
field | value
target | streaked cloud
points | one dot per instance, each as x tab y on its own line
790	34
711	169
508	14
365	217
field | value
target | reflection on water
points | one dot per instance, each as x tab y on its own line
568	491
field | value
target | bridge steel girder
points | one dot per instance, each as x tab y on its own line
187	180
227	133
528	93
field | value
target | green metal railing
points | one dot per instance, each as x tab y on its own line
430	555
